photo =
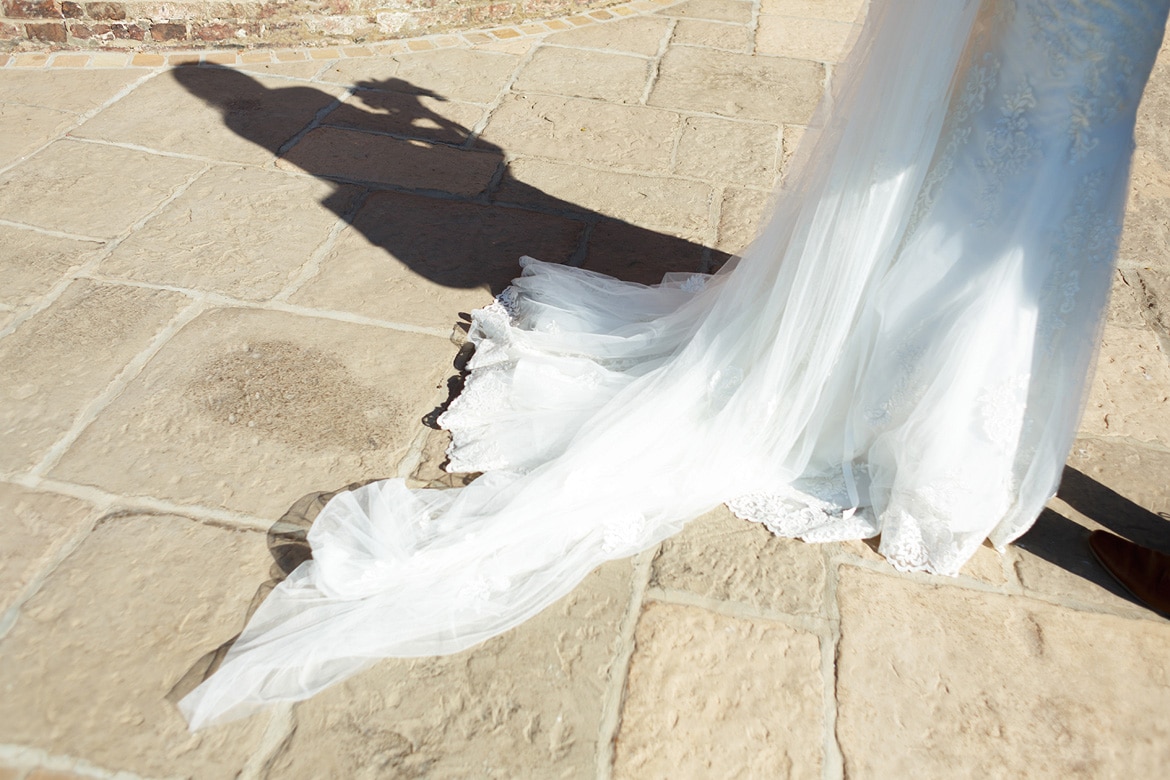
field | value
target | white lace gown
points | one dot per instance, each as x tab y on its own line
903	351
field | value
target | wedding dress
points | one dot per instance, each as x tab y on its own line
903	351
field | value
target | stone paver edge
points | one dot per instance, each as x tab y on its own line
78	60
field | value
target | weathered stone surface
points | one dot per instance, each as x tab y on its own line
25	128
297	70
715	10
410	115
33	528
248	410
48	189
33	262
771	89
458	74
208	238
835	10
1154	295
619	78
422	261
584	131
88	664
806	39
722	557
635	254
1152	132
57	362
76	92
367	157
676	206
1146	233
710	695
524	704
715	35
640	35
1127	300
719	149
1110	485
220	113
741	218
937	681
1130	393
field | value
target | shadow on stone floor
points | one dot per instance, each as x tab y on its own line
1065	543
440	202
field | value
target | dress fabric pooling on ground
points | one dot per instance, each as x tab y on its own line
902	351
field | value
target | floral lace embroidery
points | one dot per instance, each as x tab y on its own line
1009	147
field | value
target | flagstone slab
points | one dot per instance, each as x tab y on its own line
32	262
250	409
585	131
938	681
34	526
408	115
60	360
741	217
527	703
720	149
74	91
1155	297
352	155
715	696
421	261
217	113
715	35
640	35
771	89
457	74
636	254
209	238
90	660
48	190
675	206
807	39
834	10
24	129
618	78
714	10
1113	485
1130	392
1146	230
1127	299
721	557
305	70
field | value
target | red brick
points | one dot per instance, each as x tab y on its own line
106	11
10	31
50	32
31	9
118	31
168	32
71	10
214	32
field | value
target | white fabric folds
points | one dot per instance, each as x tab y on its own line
902	351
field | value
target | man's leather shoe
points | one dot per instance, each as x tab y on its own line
1143	572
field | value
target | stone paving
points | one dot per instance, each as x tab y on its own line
230	289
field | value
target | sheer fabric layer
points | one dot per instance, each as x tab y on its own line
901	351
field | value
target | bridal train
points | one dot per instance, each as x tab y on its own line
903	351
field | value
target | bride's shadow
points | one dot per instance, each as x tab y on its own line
438	199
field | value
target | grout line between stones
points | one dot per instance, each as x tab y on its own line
615	693
280	729
312	266
655	62
807	623
51	232
477	129
81	119
833	758
29	759
99	256
131	370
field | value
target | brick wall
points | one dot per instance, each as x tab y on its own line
78	24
